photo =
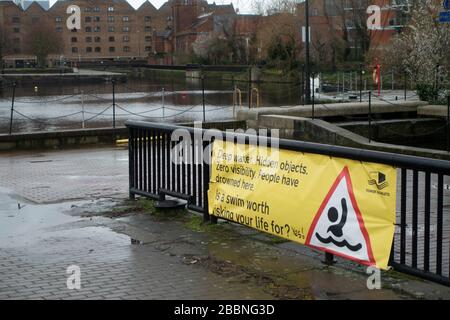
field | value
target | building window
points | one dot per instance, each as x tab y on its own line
110	19
88	29
16	30
88	49
126	29
16	40
88	39
111	39
97	19
125	18
15	20
98	49
148	29
148	19
111	29
58	29
110	9
148	49
88	19
74	50
73	39
112	49
87	9
126	49
96	9
126	39
16	50
97	29
97	39
58	19
148	39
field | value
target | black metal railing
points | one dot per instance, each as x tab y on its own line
422	238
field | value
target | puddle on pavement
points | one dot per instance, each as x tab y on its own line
25	224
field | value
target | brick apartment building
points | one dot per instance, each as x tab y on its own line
114	30
110	29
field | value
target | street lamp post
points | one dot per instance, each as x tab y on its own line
307	66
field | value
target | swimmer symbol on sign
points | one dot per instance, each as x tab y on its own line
338	227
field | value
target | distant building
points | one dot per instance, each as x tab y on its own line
331	19
45	4
112	29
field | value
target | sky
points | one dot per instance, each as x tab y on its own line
243	5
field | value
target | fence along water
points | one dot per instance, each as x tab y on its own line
421	239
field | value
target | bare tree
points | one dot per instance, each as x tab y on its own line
5	46
41	41
422	48
279	38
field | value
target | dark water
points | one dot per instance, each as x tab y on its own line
49	106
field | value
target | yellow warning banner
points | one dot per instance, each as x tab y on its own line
336	205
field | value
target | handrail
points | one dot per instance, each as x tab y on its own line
400	160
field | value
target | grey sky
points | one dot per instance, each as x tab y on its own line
243	5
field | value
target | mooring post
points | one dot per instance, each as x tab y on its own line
114	102
12	107
370	116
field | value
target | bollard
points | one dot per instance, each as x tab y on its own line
114	102
370	116
12	107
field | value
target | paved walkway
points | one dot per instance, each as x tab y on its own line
52	217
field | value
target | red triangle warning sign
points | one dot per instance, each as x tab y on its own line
338	226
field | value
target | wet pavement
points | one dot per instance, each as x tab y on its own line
64	208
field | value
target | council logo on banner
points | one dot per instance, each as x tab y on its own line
379	180
338	226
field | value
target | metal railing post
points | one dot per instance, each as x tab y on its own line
203	97
360	82
405	84
205	182
163	103
329	259
313	100
370	116
114	102
448	123
83	125
12	107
